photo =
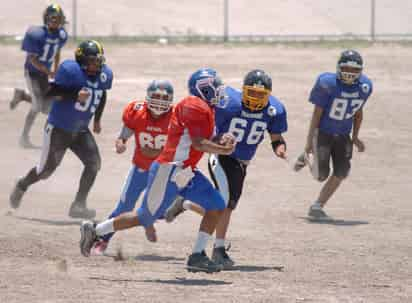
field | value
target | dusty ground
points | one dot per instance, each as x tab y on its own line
366	257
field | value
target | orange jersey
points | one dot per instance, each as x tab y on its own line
148	132
192	117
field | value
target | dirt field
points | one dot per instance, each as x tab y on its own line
281	257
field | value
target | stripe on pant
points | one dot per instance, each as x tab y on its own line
158	188
45	148
219	176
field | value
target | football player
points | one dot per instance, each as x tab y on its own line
174	172
148	122
246	114
338	100
42	45
79	92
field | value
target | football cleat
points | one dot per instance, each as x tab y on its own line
220	257
16	196
200	262
79	210
317	213
174	210
18	96
88	237
300	163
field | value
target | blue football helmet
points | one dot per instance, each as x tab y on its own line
159	96
207	85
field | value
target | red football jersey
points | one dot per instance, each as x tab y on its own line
148	132
192	117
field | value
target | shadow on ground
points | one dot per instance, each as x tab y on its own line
177	281
337	222
50	222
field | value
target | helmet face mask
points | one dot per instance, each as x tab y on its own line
349	67
206	85
257	87
159	97
90	56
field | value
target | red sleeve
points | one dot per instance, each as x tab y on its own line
129	113
196	119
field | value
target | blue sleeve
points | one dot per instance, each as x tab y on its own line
63	37
319	94
106	78
278	124
220	119
64	78
32	42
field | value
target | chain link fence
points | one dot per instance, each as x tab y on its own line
216	20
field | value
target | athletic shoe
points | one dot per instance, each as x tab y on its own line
100	247
88	237
199	262
16	196
317	213
221	258
174	210
18	96
300	162
79	210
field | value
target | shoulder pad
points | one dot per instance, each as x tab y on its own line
36	32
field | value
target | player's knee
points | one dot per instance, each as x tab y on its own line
46	173
94	167
341	174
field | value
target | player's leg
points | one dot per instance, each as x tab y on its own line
320	169
135	183
55	142
202	192
341	157
37	85
228	174
159	194
85	148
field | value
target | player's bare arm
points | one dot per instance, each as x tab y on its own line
97	128
208	146
33	58
56	64
357	122
314	124
278	145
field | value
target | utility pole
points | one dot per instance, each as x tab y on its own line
74	16
373	7
226	21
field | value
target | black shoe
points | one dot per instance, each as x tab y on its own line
16	196
220	257
199	262
79	210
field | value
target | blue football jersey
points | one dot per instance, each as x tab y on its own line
247	126
71	115
339	101
38	40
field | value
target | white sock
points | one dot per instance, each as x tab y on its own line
316	205
187	204
104	228
201	242
219	242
